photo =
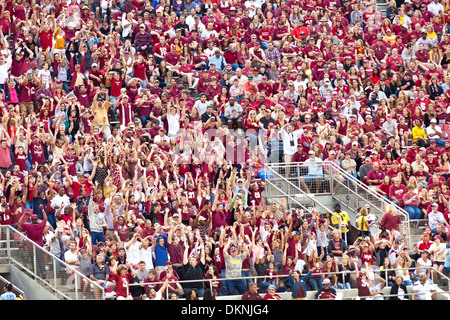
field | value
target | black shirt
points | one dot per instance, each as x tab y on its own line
266	121
99	273
409	82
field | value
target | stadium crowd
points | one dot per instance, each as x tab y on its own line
134	135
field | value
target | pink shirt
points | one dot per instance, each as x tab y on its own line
5	157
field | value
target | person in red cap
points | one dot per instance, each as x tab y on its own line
34	231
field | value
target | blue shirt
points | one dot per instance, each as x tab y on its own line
218	62
161	256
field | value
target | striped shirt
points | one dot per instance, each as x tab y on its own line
143	39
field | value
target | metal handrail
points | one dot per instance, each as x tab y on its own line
362	185
402	212
77	275
327	210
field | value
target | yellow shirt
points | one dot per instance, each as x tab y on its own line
418	133
60	42
98	118
432	35
361	223
344	220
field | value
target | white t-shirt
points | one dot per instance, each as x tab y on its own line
125	21
290	140
60	201
70	256
431	133
133	253
423	266
146	255
174	124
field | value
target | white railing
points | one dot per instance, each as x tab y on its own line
366	195
294	179
279	186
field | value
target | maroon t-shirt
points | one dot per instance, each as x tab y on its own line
218	220
37	152
363	287
176	252
172	58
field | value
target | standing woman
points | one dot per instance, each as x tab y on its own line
363	224
315	262
121	276
444	165
435	88
243	55
411	202
391	219
346	268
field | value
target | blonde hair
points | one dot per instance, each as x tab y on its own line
363	211
390	208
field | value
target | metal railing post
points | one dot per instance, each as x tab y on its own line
8	243
34	260
330	173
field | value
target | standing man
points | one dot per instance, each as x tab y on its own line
34	231
342	222
233	266
290	137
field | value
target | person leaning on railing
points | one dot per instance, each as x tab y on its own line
298	284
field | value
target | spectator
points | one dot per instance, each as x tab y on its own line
252	293
423	289
233	266
8	294
327	292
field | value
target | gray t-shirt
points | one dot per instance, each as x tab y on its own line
142	275
234	265
233	110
